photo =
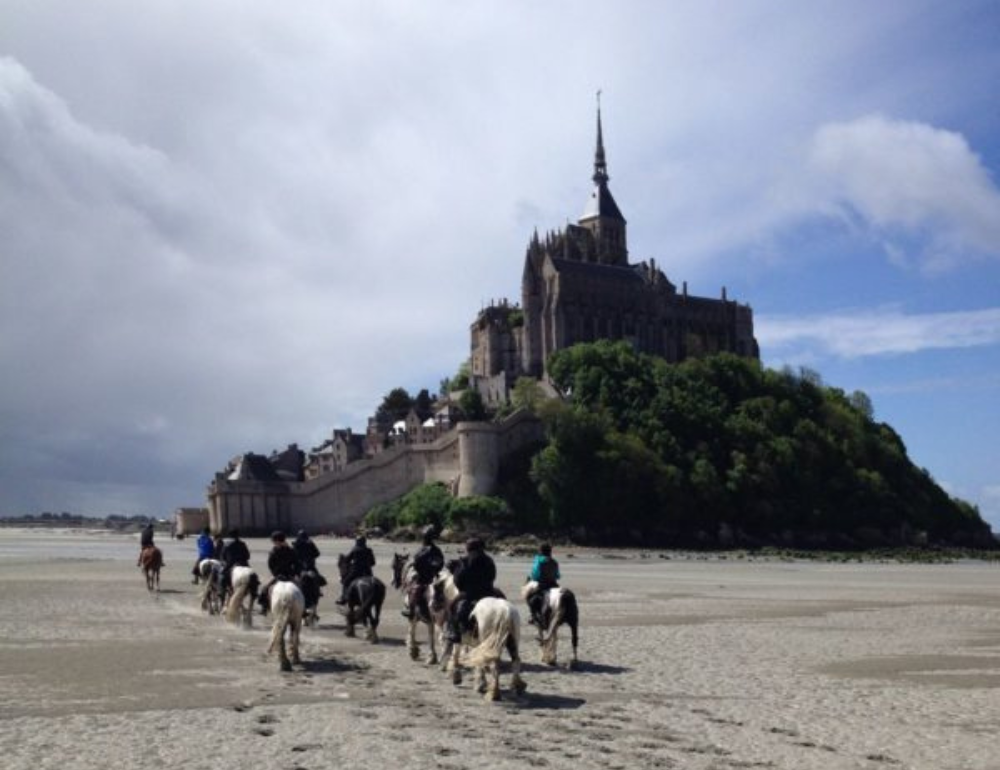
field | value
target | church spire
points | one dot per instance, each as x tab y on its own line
601	215
600	164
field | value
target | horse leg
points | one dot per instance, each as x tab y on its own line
456	667
431	632
295	631
516	682
549	646
285	663
481	676
411	640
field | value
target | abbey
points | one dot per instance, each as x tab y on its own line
578	286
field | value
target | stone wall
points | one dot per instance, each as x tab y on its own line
467	459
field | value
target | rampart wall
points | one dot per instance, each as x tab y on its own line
467	459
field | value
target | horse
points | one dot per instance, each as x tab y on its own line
287	605
210	573
421	605
239	606
151	560
559	607
497	627
364	602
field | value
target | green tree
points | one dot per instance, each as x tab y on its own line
527	394
471	404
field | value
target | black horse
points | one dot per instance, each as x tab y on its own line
311	582
365	596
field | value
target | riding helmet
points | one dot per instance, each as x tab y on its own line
278	536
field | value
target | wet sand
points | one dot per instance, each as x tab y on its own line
685	662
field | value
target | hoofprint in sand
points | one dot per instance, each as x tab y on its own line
685	662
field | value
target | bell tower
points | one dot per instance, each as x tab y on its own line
602	215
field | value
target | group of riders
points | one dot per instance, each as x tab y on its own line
474	574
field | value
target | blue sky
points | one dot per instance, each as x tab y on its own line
229	227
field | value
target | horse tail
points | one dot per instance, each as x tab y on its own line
287	607
572	616
371	601
253	586
495	629
236	600
558	616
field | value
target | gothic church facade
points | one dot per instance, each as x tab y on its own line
578	286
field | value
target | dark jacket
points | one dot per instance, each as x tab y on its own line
427	562
283	562
236	554
360	560
476	575
146	538
307	553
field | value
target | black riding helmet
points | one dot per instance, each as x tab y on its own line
474	544
429	534
277	536
545	549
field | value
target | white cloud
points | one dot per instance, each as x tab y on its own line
855	334
914	178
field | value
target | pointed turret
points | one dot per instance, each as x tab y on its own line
602	215
600	164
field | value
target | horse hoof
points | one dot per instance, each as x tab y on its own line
520	687
415	654
432	661
286	665
456	677
491	696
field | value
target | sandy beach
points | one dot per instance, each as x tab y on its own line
686	662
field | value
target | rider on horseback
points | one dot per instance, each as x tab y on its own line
307	552
145	541
474	578
283	564
234	554
206	550
360	560
545	573
427	563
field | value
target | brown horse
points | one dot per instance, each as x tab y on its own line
151	560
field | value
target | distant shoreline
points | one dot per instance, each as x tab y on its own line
518	547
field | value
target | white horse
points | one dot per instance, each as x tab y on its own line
239	607
498	627
559	608
209	571
419	601
288	605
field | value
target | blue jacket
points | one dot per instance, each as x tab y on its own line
206	546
